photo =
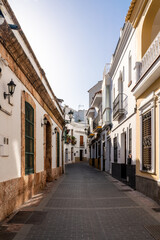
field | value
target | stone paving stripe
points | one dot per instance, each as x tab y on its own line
37	217
96	208
21	217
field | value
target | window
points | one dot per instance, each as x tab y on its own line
147	134
146	141
130	141
123	76
81	141
115	149
57	149
129	69
29	139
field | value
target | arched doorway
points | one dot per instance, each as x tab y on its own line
72	154
48	149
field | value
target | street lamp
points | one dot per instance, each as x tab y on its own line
11	89
85	130
70	115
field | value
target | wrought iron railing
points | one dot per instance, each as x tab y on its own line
151	55
97	122
82	144
119	105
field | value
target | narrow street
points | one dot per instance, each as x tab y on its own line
86	203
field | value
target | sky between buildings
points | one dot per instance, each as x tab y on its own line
73	40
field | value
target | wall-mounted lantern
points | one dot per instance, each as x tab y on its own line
44	122
55	131
1	18
86	131
11	89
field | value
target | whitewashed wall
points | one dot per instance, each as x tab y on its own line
123	126
78	130
10	127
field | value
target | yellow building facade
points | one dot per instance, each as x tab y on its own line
144	16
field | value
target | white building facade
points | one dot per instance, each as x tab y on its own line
123	133
30	154
75	137
94	115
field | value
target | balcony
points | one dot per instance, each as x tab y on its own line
91	135
150	68
97	99
119	106
90	113
82	144
151	55
106	116
97	124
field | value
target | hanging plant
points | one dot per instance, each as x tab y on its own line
68	139
73	140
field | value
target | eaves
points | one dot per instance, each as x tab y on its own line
15	50
120	48
13	17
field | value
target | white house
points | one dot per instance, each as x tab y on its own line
30	154
94	115
123	133
106	119
75	137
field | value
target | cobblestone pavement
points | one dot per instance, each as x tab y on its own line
88	204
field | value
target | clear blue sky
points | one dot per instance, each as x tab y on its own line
72	39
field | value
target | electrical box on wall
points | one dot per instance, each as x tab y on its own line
4	146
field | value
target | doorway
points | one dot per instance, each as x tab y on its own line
81	155
104	154
66	155
71	154
123	154
109	154
48	159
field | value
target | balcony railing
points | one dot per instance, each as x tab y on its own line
119	106
151	55
107	116
97	122
82	144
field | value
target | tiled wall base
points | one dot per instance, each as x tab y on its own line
148	187
13	193
56	172
77	159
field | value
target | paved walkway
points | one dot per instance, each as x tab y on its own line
91	205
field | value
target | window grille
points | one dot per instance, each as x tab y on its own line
146	141
29	139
